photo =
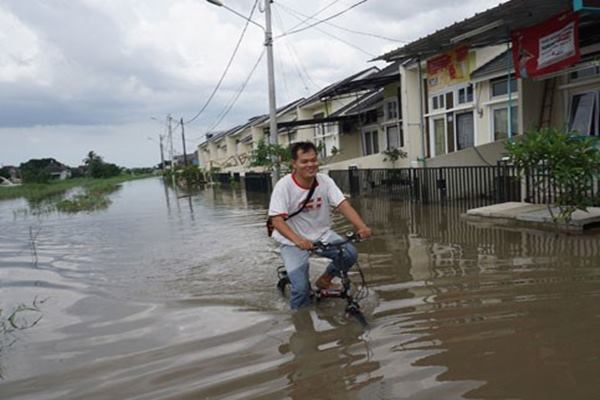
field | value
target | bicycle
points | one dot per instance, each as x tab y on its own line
345	292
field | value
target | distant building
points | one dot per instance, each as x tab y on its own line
58	170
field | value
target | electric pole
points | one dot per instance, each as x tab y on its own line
170	141
162	156
271	79
183	141
272	98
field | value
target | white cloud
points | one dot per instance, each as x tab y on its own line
76	74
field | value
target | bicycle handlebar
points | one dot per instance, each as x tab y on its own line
350	237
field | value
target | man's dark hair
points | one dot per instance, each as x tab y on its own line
304	147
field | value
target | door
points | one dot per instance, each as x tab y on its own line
439	132
465	130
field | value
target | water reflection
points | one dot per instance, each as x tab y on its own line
331	360
172	295
512	309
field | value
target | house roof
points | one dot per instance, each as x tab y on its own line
214	136
338	115
247	139
282	110
370	102
333	89
495	65
391	73
509	16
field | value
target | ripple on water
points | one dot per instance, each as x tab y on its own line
159	297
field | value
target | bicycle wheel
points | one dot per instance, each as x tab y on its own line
354	312
281	285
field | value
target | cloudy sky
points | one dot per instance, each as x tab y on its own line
81	75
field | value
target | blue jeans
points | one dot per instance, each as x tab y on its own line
296	266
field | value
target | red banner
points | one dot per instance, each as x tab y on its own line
546	47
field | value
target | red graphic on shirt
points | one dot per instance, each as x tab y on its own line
313	204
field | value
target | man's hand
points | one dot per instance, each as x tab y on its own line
364	232
304	244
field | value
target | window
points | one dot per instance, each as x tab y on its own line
330	128
370	117
437	102
392	110
292	136
393	137
500	86
465	133
319	131
439	132
370	142
583	115
584	73
465	95
500	116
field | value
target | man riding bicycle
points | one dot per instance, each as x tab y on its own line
300	208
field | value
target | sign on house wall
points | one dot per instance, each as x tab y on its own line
546	47
449	68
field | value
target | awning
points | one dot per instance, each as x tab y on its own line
493	27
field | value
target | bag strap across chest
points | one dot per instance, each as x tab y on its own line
310	193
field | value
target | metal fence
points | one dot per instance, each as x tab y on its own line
257	182
477	185
222	177
541	187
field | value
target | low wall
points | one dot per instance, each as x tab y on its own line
484	155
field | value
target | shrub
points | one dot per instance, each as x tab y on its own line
570	163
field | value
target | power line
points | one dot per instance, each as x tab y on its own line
235	50
289	9
314	15
335	37
294	56
237	95
323	20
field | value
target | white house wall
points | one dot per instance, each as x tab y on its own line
411	112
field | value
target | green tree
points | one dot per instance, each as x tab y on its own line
394	154
37	170
569	163
262	154
97	168
192	175
5	172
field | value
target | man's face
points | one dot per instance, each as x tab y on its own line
306	164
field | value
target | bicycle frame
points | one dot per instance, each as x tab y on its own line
345	292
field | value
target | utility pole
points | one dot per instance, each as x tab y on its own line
183	141
162	156
271	78
171	152
170	141
272	99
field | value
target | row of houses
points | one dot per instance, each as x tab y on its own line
452	98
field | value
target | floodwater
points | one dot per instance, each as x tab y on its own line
168	296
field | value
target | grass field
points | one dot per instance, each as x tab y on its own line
94	196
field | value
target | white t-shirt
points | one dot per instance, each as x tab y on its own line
314	221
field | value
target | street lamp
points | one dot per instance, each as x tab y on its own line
271	78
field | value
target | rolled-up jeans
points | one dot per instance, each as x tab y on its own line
296	265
